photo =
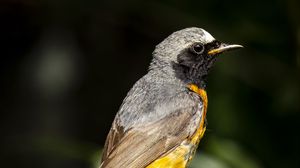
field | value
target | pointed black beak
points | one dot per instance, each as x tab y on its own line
224	47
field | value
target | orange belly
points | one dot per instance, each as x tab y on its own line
182	155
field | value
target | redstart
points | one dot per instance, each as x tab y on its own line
162	119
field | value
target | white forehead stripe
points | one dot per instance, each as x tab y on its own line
207	37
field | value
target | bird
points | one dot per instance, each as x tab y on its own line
163	117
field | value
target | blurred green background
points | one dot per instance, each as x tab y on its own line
67	65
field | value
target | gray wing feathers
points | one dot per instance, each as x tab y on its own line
151	122
141	146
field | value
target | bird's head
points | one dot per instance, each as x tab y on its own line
190	53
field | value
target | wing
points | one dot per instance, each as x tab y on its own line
139	146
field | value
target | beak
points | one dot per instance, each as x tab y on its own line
224	47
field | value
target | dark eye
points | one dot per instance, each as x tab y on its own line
197	48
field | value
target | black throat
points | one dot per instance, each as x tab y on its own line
193	69
196	74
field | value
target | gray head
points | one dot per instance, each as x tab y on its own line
189	53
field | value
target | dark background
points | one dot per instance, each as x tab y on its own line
67	65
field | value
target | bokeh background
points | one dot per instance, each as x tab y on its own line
67	65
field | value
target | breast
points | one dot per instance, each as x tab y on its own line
183	154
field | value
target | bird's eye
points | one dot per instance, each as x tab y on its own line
197	48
